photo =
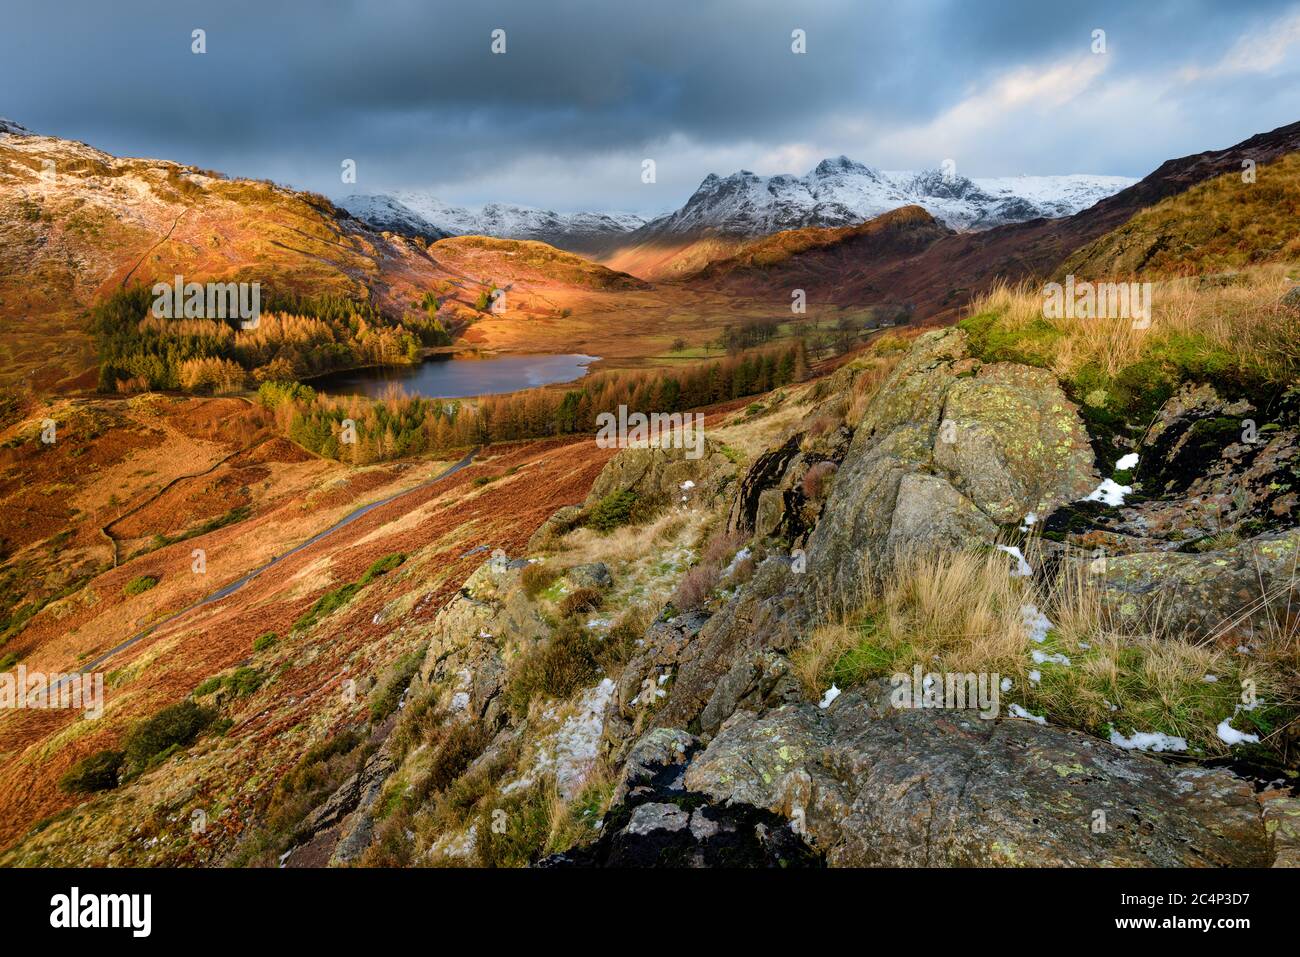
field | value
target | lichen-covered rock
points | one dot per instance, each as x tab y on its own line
468	641
1012	443
871	785
655	761
660	475
1247	584
594	575
947	450
769	614
560	521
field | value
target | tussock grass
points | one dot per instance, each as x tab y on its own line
965	613
1238	328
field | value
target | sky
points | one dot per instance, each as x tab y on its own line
587	90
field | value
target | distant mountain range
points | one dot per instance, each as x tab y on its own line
842	192
413	213
837	192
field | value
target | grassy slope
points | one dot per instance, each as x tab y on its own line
1223	223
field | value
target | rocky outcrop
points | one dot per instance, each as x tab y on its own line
491	615
657	822
948	450
872	785
657	475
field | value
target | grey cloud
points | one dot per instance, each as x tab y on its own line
411	91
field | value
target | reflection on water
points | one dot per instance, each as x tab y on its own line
445	377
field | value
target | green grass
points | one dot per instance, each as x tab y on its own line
382	567
139	584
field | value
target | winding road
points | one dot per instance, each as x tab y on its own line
239	583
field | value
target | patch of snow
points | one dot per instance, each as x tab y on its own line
1127	462
1210	679
1022	567
1041	657
1230	735
1148	741
1037	625
1035	676
1109	492
1019	712
831	694
740	556
1005	685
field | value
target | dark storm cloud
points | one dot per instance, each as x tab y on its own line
411	91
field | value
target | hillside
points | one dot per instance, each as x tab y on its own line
97	225
1221	224
610	683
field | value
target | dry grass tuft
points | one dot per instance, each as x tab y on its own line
965	613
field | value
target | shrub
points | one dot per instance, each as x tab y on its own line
554	668
329	602
265	641
581	600
98	772
462	742
696	586
382	566
243	681
172	727
612	511
537	577
817	480
138	584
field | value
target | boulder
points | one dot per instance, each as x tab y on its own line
947	450
594	575
871	785
1012	443
658	475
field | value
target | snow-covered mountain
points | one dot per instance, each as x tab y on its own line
842	192
413	212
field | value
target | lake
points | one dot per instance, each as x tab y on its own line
446	377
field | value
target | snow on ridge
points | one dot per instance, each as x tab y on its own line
501	220
842	192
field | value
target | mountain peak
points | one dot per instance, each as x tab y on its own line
16	129
840	164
